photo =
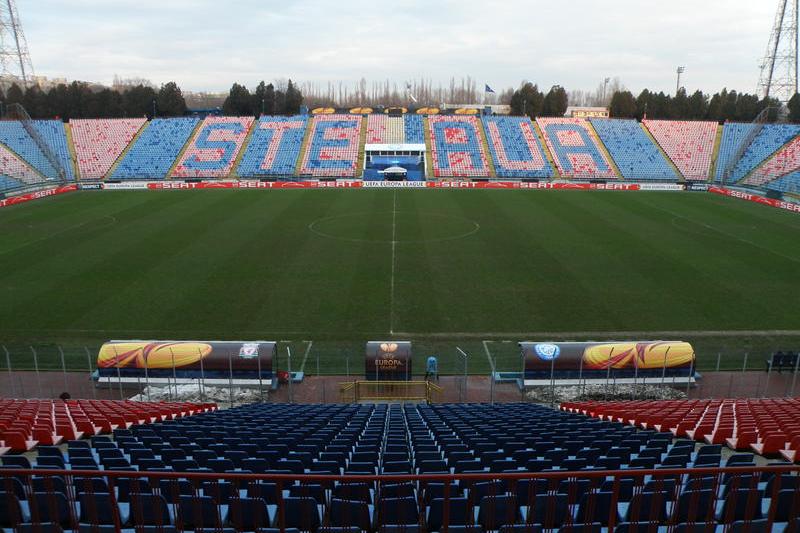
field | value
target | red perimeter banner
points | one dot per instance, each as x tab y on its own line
357	184
532	185
780	204
22	198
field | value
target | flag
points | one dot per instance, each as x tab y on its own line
488	89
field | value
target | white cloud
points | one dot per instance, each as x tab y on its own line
208	44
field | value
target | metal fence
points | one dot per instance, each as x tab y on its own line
471	371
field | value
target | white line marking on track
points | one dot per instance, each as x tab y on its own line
394	250
488	354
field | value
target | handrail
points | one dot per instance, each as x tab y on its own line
384	478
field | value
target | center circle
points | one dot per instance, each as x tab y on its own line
390	226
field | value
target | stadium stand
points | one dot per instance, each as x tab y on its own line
575	152
733	135
156	149
15	171
16	138
214	147
689	144
515	148
763	426
244	470
414	129
789	183
99	142
456	147
26	423
634	153
767	142
383	129
785	161
274	147
333	147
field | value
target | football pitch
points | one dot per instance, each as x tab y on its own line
326	270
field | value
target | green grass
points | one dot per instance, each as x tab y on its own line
468	266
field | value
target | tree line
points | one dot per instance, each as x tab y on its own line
265	100
81	100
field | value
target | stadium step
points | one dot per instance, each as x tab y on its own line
663	152
546	149
603	149
235	166
428	149
485	146
73	157
361	148
715	154
124	152
298	167
185	147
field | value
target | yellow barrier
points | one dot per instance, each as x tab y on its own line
389	391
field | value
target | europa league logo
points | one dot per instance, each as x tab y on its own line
387	358
388	347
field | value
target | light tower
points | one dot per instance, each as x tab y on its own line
779	69
15	60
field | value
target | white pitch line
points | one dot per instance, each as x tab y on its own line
394	248
488	354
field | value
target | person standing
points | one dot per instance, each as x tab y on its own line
432	369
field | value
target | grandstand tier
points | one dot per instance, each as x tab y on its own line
689	144
734	134
333	147
155	150
574	148
414	129
212	151
784	162
764	426
99	142
14	135
15	172
769	139
515	148
511	468
274	147
633	151
456	147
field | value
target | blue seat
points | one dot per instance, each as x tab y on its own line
398	511
647	507
51	507
199	512
249	514
350	513
497	511
149	510
694	506
741	504
11	511
100	509
548	510
301	513
459	513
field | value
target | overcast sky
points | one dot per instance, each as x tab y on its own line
208	44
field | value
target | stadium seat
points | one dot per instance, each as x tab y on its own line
633	151
99	142
575	150
689	144
515	148
155	150
333	147
214	147
274	147
769	139
456	147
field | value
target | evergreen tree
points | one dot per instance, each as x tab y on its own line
239	102
260	99
293	99
794	108
138	101
623	105
527	100
555	102
170	102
